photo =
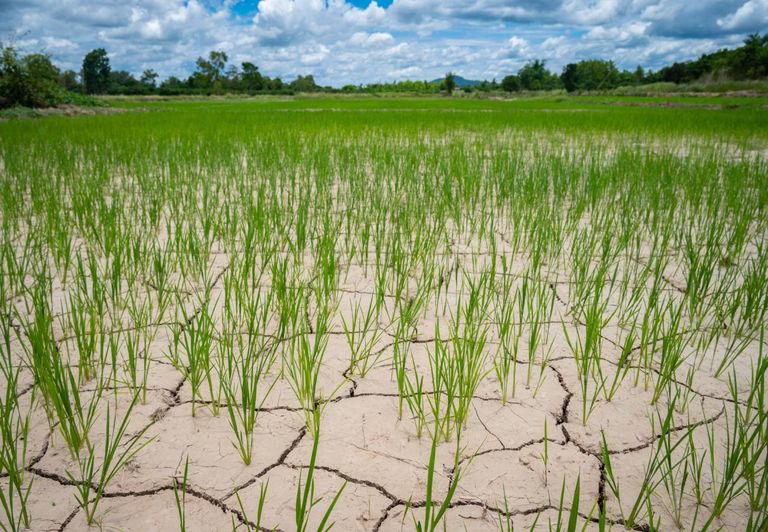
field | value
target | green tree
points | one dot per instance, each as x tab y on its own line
304	84
751	60
123	82
639	75
32	81
68	81
589	75
149	78
450	82
251	77
510	83
210	71
534	76
96	70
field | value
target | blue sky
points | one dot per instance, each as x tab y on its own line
362	41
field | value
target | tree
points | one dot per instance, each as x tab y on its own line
304	84
569	77
510	83
96	71
31	81
534	76
589	75
149	78
68	81
639	75
450	82
211	70
123	82
251	77
751	60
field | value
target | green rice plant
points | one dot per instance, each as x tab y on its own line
180	496
444	387
696	467
624	364
754	468
674	472
662	462
93	479
746	444
672	354
505	517
700	262
160	279
63	401
137	342
244	393
753	292
737	344
362	334
304	363
540	305
85	325
434	512
259	507
414	398
466	365
587	354
509	333
305	491
196	340
572	512
404	333
14	429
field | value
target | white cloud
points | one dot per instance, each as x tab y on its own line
518	46
418	39
752	12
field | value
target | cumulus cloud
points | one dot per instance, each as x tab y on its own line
342	43
746	17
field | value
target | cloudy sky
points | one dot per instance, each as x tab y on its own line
361	41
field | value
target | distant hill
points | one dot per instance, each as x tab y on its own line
460	82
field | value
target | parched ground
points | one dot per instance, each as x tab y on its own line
366	444
227	215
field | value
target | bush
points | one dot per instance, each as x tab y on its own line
31	81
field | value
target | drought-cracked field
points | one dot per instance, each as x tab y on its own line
385	315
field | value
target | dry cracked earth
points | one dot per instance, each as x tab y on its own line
363	442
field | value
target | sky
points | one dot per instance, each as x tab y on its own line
365	41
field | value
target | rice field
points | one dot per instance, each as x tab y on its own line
386	314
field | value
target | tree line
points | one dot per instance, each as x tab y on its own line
33	80
748	62
212	75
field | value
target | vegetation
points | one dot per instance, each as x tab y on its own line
33	81
496	257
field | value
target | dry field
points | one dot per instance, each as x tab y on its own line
384	316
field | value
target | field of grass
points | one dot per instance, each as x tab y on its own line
386	314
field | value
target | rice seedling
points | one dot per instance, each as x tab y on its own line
180	496
640	231
434	511
305	489
66	406
303	366
362	334
663	461
195	340
244	392
259	507
509	333
90	480
14	429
